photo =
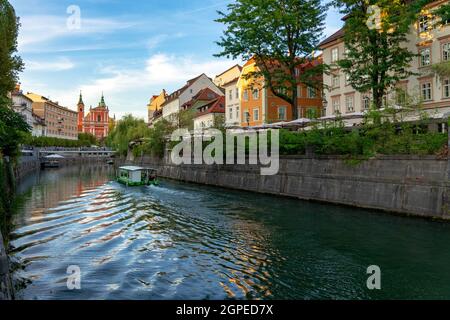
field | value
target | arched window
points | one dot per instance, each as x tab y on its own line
99	118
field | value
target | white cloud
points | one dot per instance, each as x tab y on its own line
39	29
160	71
60	64
128	90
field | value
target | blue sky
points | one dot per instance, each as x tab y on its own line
130	50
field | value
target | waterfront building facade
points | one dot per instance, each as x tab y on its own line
432	45
227	76
60	122
172	106
202	98
97	121
39	127
232	103
22	105
211	114
259	105
155	105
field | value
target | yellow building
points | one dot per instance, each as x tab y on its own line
155	105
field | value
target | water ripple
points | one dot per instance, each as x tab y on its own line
181	241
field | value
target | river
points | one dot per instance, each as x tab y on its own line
184	241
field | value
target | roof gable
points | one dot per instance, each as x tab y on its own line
177	93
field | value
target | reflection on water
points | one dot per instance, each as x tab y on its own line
181	241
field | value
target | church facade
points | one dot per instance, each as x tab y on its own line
97	121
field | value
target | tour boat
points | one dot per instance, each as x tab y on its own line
52	161
137	176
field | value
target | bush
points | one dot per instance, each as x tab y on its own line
43	142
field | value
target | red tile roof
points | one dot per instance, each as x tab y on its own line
215	106
205	94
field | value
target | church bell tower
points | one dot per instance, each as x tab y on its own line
80	113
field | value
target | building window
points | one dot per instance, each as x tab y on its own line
230	114
299	91
297	72
336	106
282	113
255	114
245	95
335	81
366	102
426	91
237	93
425	57
334	54
99	119
246	116
423	24
350	103
231	95
255	94
446	52
311	93
446	88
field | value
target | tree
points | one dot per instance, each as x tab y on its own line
127	130
10	63
376	58
158	138
87	139
281	35
13	128
186	118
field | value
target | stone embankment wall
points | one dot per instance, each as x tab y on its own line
410	185
6	289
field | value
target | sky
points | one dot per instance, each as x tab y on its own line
129	50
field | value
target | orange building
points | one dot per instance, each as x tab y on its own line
260	106
97	122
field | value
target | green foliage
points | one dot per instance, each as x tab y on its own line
376	58
43	142
13	129
87	139
131	132
280	34
10	63
186	118
386	138
443	12
442	69
156	142
127	130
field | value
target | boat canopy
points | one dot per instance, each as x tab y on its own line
135	168
54	156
